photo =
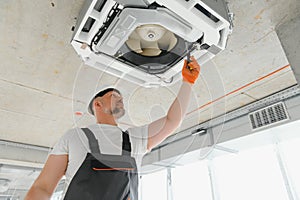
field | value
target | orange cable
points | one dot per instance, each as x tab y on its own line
240	88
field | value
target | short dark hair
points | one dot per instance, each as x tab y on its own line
100	94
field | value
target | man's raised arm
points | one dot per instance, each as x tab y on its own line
164	127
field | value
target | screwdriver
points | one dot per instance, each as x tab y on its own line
188	55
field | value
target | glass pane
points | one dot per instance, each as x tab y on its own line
252	174
191	182
154	186
290	150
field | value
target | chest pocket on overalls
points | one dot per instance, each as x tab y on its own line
105	177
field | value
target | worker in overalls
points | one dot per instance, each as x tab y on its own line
101	162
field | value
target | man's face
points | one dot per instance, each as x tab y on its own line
113	104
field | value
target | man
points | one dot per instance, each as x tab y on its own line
96	161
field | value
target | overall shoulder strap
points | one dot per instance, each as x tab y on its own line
126	145
93	142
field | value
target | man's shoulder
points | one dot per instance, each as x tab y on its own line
138	131
77	129
72	132
137	128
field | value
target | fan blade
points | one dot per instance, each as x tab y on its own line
151	52
134	42
168	41
173	42
134	35
134	45
150	48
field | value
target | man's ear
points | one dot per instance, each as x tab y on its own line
98	103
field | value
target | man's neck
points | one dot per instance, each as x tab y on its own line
107	120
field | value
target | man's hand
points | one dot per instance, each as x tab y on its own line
191	70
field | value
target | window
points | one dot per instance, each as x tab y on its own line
290	151
261	170
154	186
191	182
252	174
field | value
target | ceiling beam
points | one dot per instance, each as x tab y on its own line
13	153
186	147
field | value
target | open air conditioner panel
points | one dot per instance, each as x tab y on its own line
145	41
158	59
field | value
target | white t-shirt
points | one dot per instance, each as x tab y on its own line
75	143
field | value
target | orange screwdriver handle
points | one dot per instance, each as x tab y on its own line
190	70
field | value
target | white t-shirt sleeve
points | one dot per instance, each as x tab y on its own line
139	139
62	146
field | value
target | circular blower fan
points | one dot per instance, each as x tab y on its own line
151	40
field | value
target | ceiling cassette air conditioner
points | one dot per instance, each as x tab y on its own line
146	41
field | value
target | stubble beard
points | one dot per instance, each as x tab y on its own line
118	112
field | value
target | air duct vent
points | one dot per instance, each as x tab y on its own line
268	116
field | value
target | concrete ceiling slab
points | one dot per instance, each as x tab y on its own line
40	67
44	87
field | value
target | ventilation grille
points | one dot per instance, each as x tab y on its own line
206	13
268	116
90	21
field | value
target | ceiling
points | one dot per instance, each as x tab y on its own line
45	87
44	83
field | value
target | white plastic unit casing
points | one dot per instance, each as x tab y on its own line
206	22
